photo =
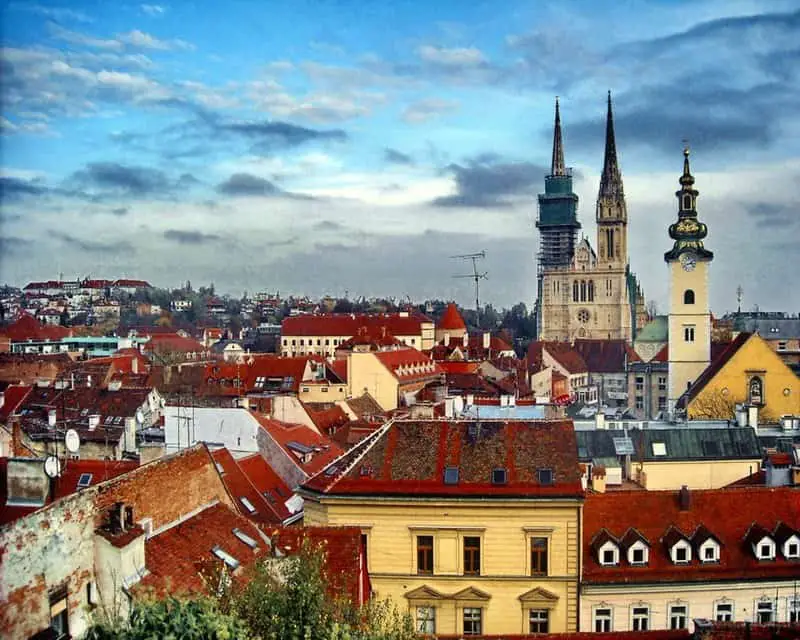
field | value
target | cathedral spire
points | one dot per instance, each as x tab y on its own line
557	165
611	180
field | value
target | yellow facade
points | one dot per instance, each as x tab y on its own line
505	591
689	326
366	374
731	385
705	474
322	391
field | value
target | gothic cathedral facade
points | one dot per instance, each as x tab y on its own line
583	293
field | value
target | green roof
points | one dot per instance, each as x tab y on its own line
657	330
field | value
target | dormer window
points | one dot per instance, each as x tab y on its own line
765	550
681	552
709	551
638	553
791	548
609	554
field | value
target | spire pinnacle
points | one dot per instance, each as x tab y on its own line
611	180
557	165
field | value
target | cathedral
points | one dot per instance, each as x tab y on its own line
583	293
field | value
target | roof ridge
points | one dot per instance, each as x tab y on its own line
368	442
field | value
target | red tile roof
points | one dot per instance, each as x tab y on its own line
458	367
410	457
344	324
727	514
326	418
181	559
750	631
13	396
173	342
339	368
66	484
408	364
239	486
139	284
268	483
451	319
605	356
26	327
324	450
567	357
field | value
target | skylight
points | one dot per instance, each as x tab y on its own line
85	480
545	476
451	475
247	504
226	557
499	476
659	449
245	538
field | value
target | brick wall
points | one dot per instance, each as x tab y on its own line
166	489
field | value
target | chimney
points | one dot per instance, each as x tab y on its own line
94	420
599	479
51	418
684	498
752	417
134	364
446	339
487	340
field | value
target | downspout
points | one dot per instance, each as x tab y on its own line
580	571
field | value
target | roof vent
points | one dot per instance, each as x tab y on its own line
499	476
451	475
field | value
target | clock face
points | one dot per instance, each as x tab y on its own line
688	262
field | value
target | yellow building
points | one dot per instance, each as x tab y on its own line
474	527
689	315
748	372
658	559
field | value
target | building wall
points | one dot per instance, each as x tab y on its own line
366	373
235	428
291	346
755	357
322	391
290	409
505	530
706	474
47	549
700	599
279	460
688	359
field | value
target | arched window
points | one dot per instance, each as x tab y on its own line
575	291
591	291
687	201
756	390
583	290
688	297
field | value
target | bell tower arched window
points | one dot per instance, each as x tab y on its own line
575	291
687	202
583	290
590	291
688	297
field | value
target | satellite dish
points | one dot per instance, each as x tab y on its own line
52	466
73	441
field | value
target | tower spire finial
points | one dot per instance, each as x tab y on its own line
611	180
557	167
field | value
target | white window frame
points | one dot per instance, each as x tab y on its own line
606	620
793	609
724	616
479	619
608	546
638	546
426	623
673	552
673	614
761	607
688	332
638	617
713	546
765	542
538	616
793	540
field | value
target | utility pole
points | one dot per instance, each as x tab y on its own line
475	275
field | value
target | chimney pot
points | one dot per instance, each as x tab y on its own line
684	498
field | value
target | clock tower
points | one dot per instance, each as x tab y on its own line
689	315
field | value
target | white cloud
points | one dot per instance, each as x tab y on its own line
452	57
144	40
427	109
153	9
73	37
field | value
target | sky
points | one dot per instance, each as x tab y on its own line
355	146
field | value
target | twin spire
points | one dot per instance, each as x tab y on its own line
611	180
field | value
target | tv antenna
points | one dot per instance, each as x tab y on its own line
739	294
476	275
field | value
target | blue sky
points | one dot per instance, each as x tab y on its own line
325	147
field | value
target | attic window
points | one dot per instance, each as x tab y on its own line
451	475
247	504
766	550
85	480
659	449
499	476
109	420
545	476
260	381
227	558
245	538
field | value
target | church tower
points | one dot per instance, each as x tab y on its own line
612	214
557	221
689	315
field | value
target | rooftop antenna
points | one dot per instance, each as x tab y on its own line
475	275
739	293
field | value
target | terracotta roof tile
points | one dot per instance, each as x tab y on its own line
239	486
451	319
345	324
323	450
605	356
